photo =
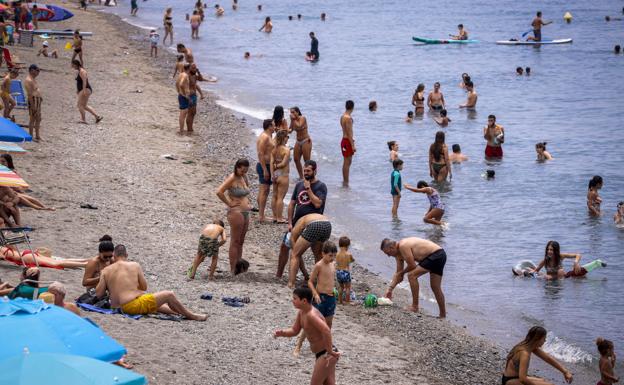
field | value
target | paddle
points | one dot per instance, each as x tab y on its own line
527	32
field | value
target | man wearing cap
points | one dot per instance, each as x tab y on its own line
34	101
44	51
5	93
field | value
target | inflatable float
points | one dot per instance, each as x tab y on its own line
525	267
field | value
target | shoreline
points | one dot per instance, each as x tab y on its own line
164	238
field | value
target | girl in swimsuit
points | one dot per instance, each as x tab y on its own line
280	165
593	199
518	359
393	146
237	201
542	154
439	165
436	207
418	100
168	24
553	262
84	92
303	145
195	23
77	47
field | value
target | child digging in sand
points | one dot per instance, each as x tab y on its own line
607	362
343	269
209	244
324	301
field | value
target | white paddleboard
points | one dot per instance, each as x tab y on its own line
522	42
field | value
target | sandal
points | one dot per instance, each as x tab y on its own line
98	119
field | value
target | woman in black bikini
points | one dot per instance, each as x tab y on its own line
84	92
237	201
168	24
517	364
303	145
418	100
439	164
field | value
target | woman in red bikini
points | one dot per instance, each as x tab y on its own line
41	257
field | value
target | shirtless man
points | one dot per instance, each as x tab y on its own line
310	229
184	95
456	156
194	77
179	66
435	100
7	98
126	286
471	101
319	334
462	34
347	145
495	137
264	147
96	264
537	24
416	257
34	102
188	54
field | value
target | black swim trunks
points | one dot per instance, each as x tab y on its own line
324	351
317	231
434	262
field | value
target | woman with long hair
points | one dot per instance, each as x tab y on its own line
303	145
518	359
418	100
278	119
168	25
593	198
234	192
280	167
553	261
84	93
439	164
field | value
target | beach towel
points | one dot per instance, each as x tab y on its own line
18	93
100	310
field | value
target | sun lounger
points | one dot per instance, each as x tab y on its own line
18	93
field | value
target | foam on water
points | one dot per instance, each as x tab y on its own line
565	351
256	113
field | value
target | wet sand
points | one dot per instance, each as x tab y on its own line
156	207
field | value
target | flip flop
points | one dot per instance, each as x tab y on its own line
98	119
188	273
232	303
206	296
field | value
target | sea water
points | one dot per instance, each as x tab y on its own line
572	100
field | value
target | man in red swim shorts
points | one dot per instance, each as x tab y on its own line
347	145
495	137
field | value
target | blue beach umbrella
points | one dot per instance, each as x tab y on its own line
11	132
63	369
37	327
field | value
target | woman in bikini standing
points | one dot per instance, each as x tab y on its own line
280	167
237	201
439	165
418	100
518	359
303	145
278	119
77	44
84	93
168	25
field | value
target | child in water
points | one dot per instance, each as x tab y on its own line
593	198
442	120
393	146
410	117
395	186
619	214
436	207
209	244
344	259
542	154
607	362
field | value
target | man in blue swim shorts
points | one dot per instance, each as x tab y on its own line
264	147
184	95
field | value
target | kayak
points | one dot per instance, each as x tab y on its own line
442	41
522	42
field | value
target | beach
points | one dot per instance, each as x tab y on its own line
157	207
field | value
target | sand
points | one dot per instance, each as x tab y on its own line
156	207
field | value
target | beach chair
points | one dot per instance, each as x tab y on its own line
12	236
17	91
25	38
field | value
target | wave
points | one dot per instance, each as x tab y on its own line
564	351
256	113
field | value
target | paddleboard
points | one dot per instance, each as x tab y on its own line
522	42
442	41
59	32
60	13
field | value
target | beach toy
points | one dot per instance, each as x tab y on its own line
567	17
370	301
383	301
125	72
593	265
68	46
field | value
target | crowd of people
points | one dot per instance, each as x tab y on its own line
112	279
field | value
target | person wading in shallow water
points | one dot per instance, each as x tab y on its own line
347	145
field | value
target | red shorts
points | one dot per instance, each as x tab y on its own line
493	152
347	149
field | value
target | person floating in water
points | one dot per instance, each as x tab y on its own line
436	207
461	35
553	262
607	362
542	154
537	24
618	218
593	198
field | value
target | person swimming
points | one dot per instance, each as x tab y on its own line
410	117
519	71
593	198
542	154
618	218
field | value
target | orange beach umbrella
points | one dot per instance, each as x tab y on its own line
9	178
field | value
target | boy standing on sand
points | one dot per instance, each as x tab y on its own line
209	244
344	259
319	334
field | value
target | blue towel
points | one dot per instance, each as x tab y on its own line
100	310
